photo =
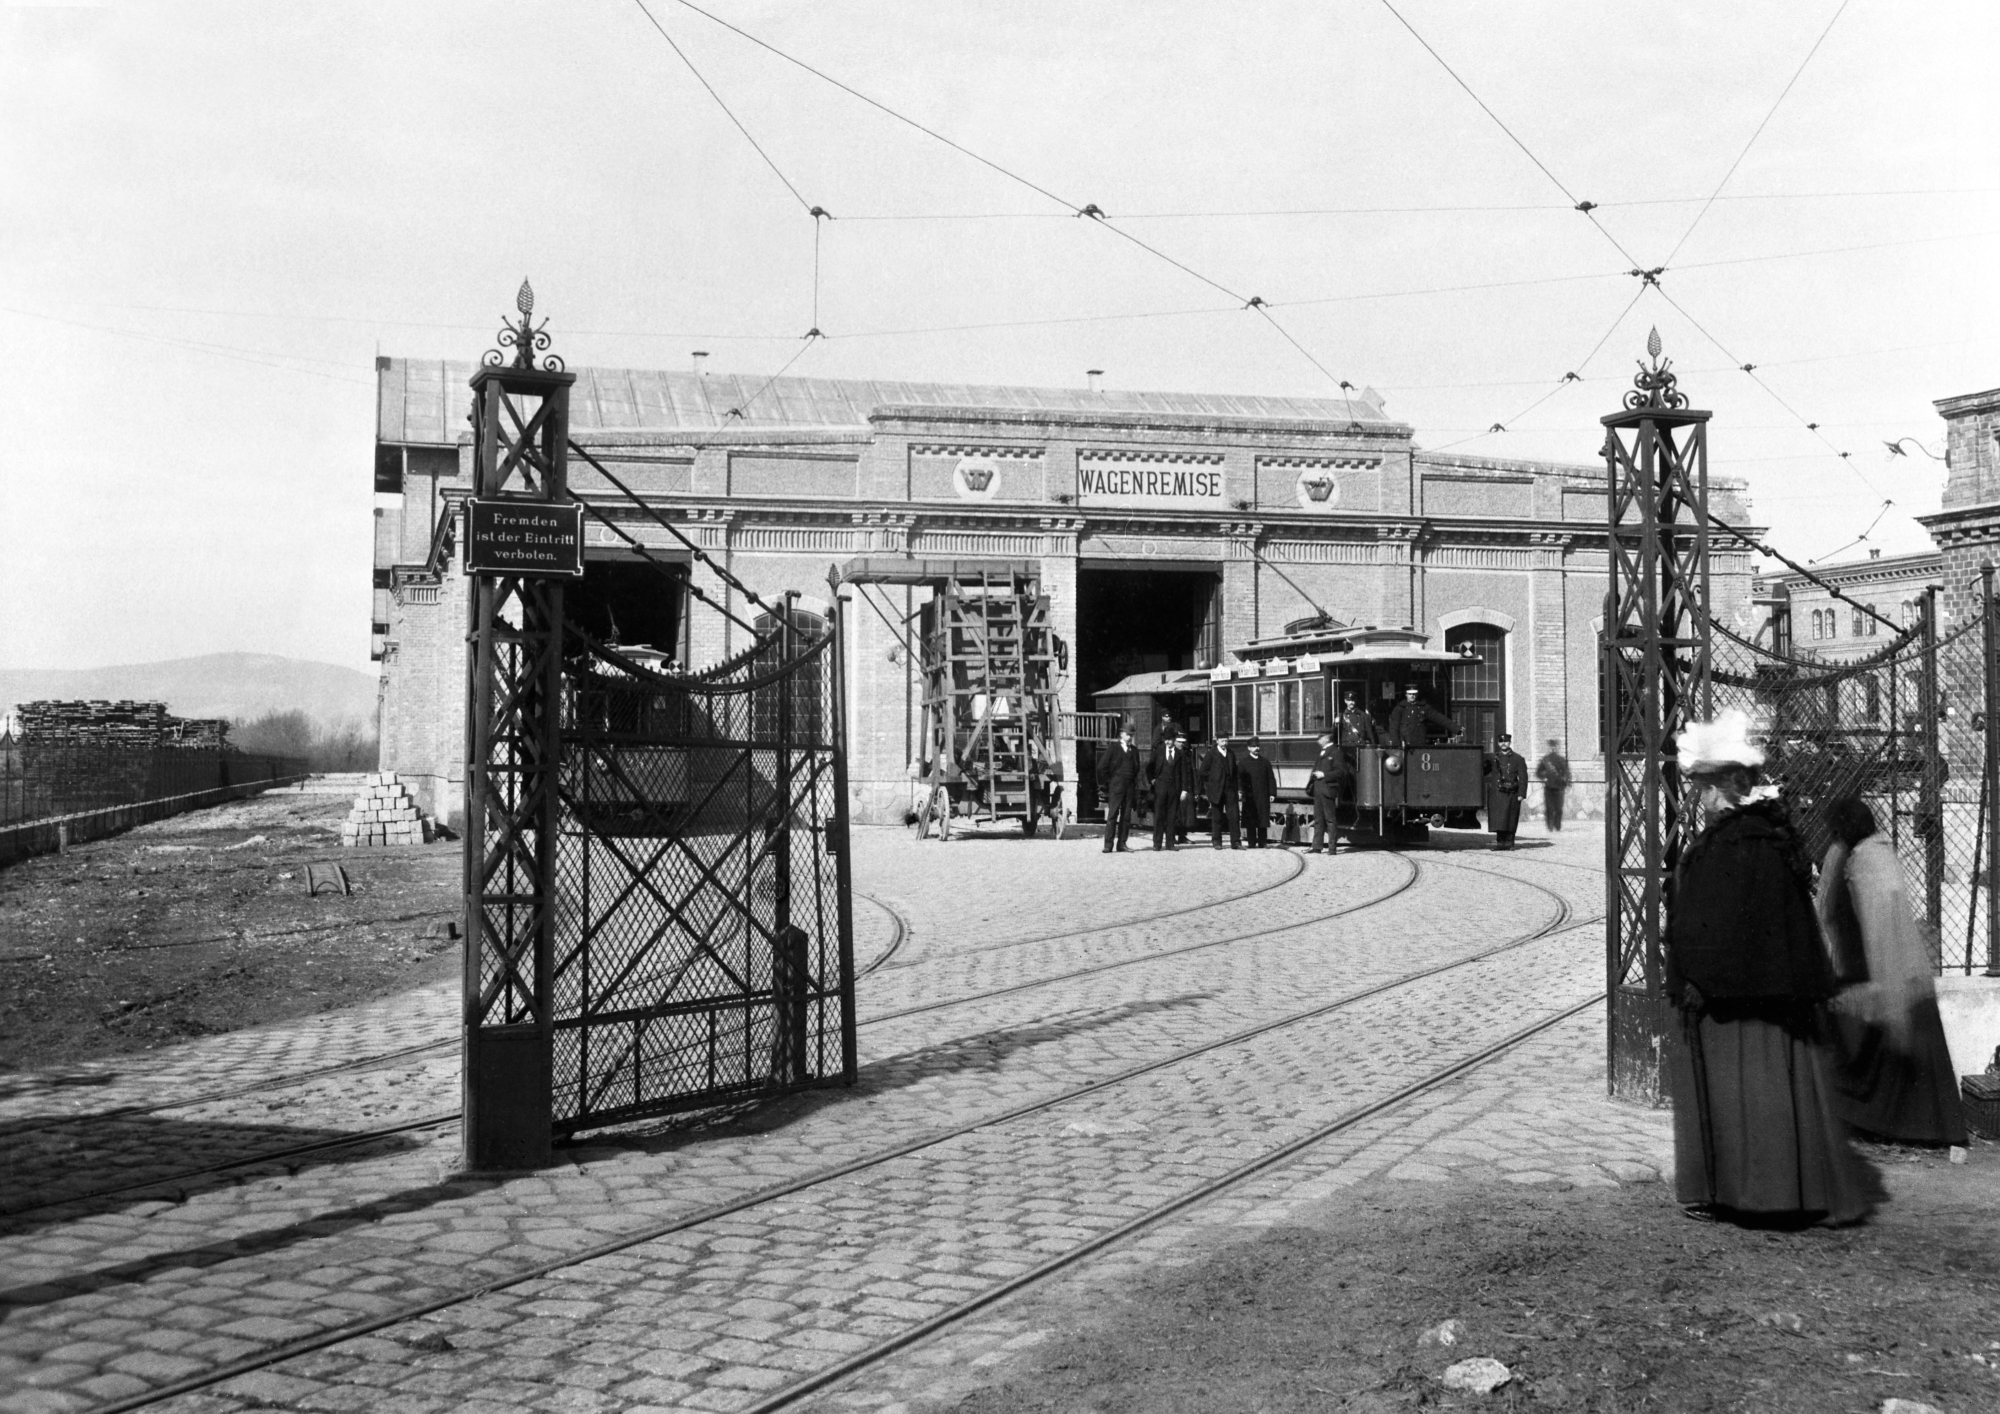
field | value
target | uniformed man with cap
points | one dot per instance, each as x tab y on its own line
1411	721
1506	784
1330	773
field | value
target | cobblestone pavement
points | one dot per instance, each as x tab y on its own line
109	1298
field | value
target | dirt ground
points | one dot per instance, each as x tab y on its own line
201	924
1595	1299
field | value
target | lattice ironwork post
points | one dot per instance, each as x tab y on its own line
520	417
1990	675
1930	783
1656	669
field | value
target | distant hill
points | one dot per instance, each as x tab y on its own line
217	685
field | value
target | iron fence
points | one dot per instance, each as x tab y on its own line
40	782
1903	728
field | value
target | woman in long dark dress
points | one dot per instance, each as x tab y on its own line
1895	1074
1756	1133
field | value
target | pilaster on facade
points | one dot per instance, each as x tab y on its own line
884	532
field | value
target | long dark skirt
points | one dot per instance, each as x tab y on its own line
1755	1127
1891	1093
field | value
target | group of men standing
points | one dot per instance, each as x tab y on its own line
1240	789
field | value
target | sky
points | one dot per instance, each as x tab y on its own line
214	217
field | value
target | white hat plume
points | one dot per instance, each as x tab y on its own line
1710	746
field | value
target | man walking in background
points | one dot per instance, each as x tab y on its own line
1259	783
1553	772
1219	789
1121	775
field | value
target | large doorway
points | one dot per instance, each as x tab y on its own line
1144	620
631	604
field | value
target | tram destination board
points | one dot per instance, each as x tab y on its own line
523	537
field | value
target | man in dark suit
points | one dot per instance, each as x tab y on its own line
1172	785
1155	760
1259	783
1411	722
1506	783
1330	774
1121	775
1219	789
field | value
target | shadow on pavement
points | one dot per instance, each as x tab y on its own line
84	1168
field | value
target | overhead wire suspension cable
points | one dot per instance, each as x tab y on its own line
1773	111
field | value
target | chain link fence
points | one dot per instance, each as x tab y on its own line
1904	729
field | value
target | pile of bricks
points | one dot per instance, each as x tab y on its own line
140	725
384	814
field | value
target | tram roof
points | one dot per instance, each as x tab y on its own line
424	401
1350	643
1149	684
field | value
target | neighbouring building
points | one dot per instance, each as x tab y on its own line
1805	618
1167	528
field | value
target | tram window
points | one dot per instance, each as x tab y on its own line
1315	706
1288	709
1267	708
1246	721
1224	719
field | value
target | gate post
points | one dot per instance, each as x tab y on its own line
1990	675
1656	662
520	416
1930	785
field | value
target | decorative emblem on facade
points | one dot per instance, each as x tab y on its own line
1317	489
1654	387
526	338
977	478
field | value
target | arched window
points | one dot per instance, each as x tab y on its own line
1479	684
1873	622
1871	699
1818	624
1860	623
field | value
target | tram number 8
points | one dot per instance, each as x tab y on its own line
1426	762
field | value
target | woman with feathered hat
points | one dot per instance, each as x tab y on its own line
1756	1133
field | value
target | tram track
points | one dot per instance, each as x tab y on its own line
899	933
1298	869
1559	923
361	1138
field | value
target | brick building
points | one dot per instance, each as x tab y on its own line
1167	527
1834	630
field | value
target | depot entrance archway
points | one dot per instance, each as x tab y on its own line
1144	617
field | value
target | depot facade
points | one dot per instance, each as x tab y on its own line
1167	528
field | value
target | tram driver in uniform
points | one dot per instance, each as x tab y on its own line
1410	722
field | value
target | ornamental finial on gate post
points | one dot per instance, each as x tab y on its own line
526	338
1654	387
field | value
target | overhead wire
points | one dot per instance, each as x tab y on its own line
1770	114
728	112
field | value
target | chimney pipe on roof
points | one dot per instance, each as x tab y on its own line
701	360
1093	374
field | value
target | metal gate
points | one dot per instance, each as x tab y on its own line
704	939
657	888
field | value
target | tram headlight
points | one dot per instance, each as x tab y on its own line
1392	763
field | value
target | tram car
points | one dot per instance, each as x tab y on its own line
1287	689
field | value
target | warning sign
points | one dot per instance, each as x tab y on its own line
523	537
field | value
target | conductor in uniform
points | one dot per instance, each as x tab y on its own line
1218	785
1553	772
1259	783
1330	776
1172	784
1121	775
1355	727
1506	784
1410	722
